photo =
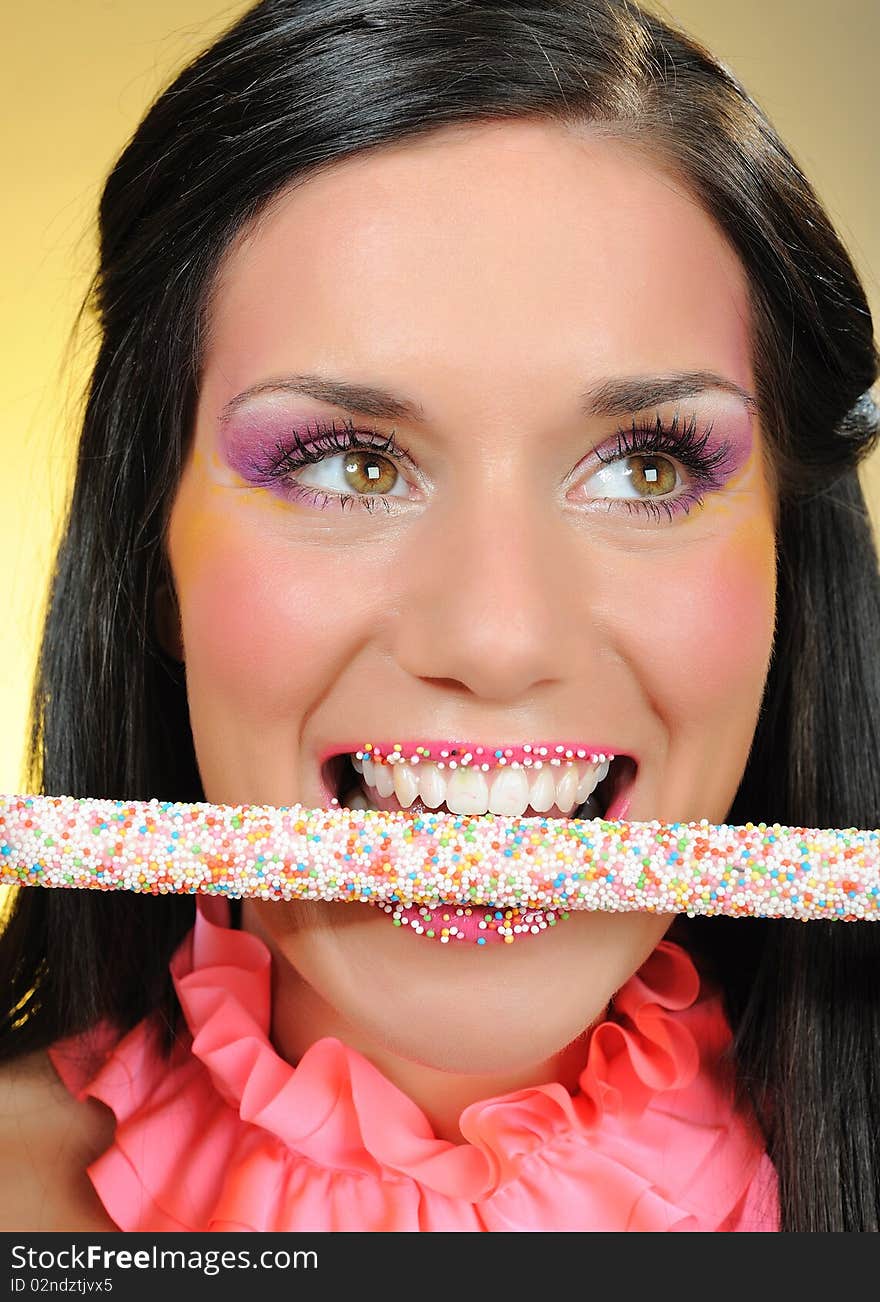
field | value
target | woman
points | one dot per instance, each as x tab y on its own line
470	375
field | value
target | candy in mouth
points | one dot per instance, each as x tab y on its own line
299	852
483	925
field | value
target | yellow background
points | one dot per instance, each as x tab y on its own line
78	76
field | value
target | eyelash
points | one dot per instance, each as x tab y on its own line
682	443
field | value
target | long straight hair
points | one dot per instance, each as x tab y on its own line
294	86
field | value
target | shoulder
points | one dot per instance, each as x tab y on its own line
47	1139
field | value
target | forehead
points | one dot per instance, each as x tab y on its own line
490	257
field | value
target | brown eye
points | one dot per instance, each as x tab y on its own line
653	476
367	472
651	461
355	475
633	477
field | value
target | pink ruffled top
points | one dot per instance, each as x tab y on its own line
227	1135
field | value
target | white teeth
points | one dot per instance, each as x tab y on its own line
406	784
543	790
356	800
432	788
508	790
384	779
587	785
467	791
566	787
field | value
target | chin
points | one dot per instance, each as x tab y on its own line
482	1014
456	1009
478	1047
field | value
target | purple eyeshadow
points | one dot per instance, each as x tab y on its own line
250	446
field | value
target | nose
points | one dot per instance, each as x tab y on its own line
488	602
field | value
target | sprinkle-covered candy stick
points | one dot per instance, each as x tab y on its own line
412	864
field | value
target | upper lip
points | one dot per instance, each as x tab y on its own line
464	748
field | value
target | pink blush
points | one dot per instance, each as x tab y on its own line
731	607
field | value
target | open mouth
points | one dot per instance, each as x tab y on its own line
352	791
357	783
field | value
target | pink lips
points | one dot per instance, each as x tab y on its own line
475	925
466	753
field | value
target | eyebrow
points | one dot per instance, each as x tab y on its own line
616	396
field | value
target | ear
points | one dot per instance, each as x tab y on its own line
166	616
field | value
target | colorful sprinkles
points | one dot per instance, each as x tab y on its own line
476	923
410	859
481	757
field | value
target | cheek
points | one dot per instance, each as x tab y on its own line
731	620
704	632
257	627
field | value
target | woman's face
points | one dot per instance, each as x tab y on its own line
517	580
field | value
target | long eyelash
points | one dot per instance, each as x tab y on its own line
682	442
331	438
686	446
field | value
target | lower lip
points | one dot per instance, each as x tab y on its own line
479	925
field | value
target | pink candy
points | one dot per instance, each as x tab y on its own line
294	852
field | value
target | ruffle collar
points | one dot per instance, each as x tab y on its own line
227	1135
